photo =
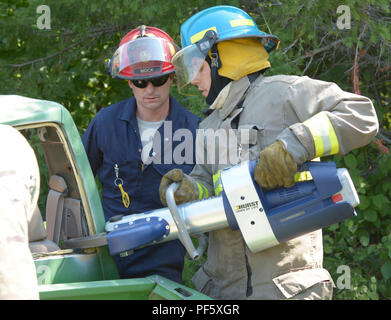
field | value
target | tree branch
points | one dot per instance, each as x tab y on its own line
355	78
95	33
317	51
285	50
21	65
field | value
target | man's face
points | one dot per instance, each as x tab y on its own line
152	97
203	79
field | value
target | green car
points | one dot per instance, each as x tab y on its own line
71	257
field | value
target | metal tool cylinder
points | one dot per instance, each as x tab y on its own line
199	217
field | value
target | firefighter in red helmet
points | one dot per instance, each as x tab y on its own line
125	152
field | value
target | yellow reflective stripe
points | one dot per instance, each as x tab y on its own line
333	139
241	22
206	192
322	131
303	176
216	177
202	191
200	35
218	188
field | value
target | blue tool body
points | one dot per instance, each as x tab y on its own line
302	208
137	234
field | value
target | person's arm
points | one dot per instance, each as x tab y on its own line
333	121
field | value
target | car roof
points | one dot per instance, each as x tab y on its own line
19	110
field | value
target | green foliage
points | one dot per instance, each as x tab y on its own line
364	243
66	64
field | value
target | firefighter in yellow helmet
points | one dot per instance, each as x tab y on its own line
281	121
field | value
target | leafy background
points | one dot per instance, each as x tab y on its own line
66	64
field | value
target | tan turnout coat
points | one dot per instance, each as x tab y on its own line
272	108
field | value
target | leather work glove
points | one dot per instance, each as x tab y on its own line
187	190
275	167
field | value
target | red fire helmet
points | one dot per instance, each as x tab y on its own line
145	52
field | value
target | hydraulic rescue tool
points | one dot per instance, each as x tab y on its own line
265	218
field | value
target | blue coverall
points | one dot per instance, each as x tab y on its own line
113	139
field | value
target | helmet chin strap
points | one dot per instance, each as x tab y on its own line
218	82
206	44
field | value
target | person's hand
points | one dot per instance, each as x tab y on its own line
186	192
275	167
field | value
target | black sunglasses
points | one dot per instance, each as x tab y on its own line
156	82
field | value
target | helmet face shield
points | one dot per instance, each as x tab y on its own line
187	62
142	58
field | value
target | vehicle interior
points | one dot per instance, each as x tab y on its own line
59	215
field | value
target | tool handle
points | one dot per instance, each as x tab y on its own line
183	234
